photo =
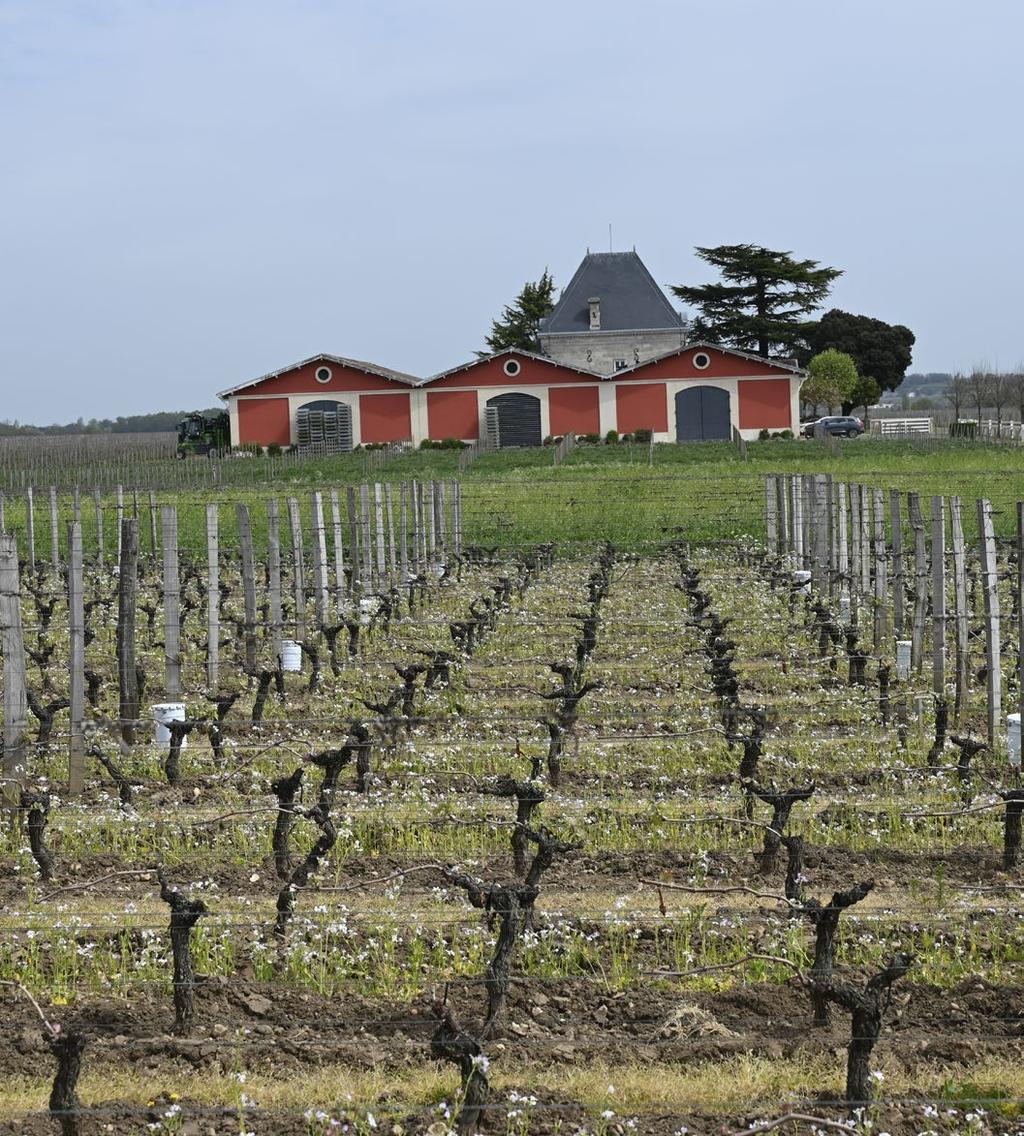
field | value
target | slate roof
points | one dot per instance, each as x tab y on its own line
630	298
355	364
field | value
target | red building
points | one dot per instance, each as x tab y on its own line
641	375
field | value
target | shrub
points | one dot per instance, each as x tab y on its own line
764	434
643	434
273	450
427	444
785	433
611	437
450	444
591	439
625	437
548	440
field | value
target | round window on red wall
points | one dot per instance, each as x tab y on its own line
702	360
512	368
322	374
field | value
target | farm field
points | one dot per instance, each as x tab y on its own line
377	943
628	494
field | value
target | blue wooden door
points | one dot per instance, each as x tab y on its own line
702	415
518	419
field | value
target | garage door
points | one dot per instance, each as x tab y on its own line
702	415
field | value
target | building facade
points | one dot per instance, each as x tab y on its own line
615	357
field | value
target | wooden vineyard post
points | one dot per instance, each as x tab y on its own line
989	580
127	599
339	551
1020	608
389	509
378	515
440	498
3	521
771	519
785	544
321	595
920	582
99	526
152	522
880	572
353	536
416	515
961	621
274	576
30	527
429	529
76	670
819	535
298	569
896	519
365	537
403	533
248	583
865	540
457	509
832	551
212	597
120	519
806	516
14	699
843	517
938	597
172	602
853	536
54	533
76	503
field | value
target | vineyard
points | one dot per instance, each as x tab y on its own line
387	808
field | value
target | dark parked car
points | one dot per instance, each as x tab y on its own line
837	424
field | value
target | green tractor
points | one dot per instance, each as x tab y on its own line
205	435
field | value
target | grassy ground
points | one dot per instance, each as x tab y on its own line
622	493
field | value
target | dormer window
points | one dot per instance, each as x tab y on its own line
594	304
620	364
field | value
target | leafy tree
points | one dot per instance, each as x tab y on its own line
832	378
520	321
764	302
866	392
879	349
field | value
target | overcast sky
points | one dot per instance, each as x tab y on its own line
196	192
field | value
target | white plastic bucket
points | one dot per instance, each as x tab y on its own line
903	659
802	579
291	655
1013	739
168	712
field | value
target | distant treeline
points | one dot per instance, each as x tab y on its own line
161	422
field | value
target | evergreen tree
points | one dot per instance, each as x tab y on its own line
519	324
879	349
763	304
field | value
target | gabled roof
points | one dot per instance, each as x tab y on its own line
510	351
355	364
782	364
630	298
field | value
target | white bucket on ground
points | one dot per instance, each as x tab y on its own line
903	659
802	579
291	655
1013	739
168	712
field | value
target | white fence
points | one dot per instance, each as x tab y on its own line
901	427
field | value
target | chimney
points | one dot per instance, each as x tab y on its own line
595	313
